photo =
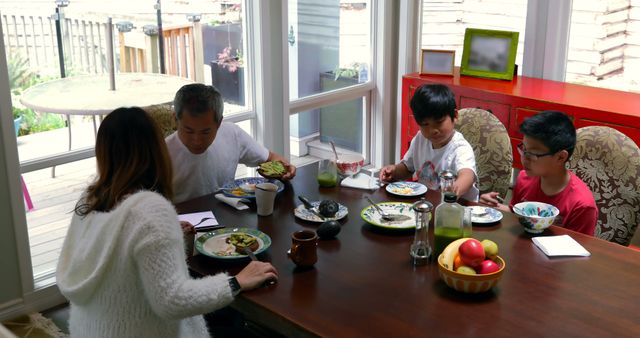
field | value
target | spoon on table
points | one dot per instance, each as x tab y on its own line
385	216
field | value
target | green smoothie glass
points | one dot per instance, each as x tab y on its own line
327	173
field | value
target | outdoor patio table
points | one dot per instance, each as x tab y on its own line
90	94
364	284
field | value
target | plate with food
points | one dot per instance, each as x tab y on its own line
405	219
484	215
326	210
229	243
406	188
245	187
272	169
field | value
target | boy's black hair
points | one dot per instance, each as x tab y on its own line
553	128
433	101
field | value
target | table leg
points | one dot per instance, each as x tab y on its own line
53	169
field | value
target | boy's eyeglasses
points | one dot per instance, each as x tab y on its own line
530	155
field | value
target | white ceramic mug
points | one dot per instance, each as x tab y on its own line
265	197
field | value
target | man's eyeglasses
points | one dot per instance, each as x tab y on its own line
530	155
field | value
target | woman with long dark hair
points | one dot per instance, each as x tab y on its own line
122	265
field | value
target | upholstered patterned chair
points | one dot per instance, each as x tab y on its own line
163	115
609	163
491	146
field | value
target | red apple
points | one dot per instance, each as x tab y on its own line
471	252
487	266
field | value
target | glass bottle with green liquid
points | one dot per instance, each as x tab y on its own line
449	223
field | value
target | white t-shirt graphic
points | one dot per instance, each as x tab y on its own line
426	163
195	175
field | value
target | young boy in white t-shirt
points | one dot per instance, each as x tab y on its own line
438	146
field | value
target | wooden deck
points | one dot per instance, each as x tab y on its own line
54	198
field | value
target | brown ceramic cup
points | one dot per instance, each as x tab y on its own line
303	248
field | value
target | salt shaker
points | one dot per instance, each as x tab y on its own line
420	249
447	177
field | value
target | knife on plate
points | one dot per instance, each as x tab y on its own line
309	206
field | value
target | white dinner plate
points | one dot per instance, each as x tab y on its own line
408	189
484	215
213	244
302	213
373	217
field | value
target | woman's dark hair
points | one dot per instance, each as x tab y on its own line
553	128
199	99
433	101
131	155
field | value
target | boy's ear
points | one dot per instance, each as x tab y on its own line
455	116
563	156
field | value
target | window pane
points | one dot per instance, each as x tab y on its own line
604	45
444	23
329	45
343	123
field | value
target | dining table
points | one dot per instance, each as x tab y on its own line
364	283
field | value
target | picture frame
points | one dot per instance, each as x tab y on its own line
489	53
438	62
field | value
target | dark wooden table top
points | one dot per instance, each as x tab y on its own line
365	285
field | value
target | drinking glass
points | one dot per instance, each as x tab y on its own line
327	173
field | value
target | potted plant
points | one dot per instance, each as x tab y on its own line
227	74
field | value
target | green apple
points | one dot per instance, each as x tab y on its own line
490	248
466	270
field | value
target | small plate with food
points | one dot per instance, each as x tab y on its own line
406	219
407	189
484	215
326	210
272	169
229	243
246	187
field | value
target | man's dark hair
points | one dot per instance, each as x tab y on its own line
199	99
433	101
553	128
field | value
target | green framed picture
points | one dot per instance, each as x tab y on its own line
489	53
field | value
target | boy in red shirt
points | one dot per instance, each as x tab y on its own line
549	140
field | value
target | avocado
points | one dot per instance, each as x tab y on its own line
328	229
328	208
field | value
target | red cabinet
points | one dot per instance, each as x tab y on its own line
513	101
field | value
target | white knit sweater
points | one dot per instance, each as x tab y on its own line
124	273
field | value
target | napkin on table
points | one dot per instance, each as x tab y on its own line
238	203
361	181
560	246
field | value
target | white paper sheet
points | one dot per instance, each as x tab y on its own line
196	217
560	246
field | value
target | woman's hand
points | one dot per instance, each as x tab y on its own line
187	228
255	274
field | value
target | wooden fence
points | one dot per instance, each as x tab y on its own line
183	51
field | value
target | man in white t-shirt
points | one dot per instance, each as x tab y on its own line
204	150
438	146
